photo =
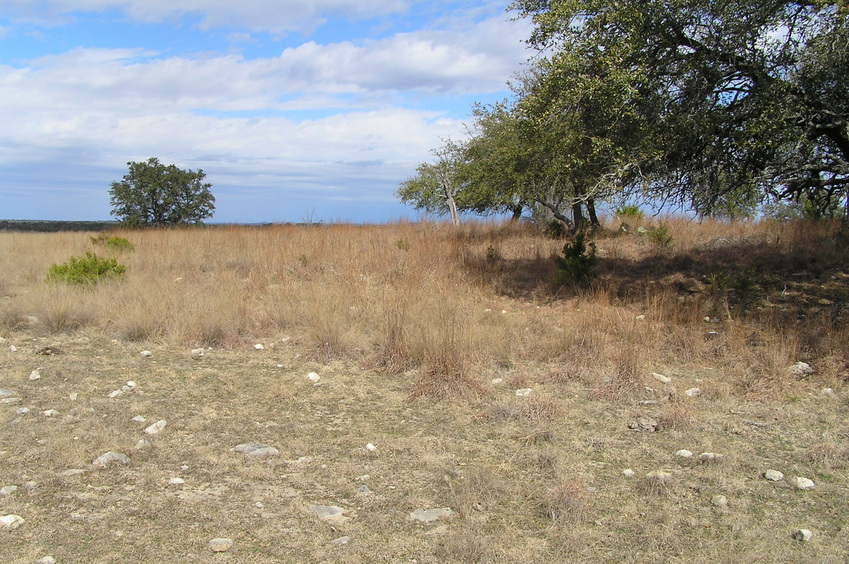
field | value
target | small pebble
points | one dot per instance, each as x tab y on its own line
341	540
496	381
146	354
692	392
371	448
11	522
803	483
313	377
8	490
156	427
684	453
719	500
661	378
22	410
522	392
139	419
803	535
47	560
176	481
259	347
35	375
628	473
773	475
50	413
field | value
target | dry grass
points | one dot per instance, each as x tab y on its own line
408	326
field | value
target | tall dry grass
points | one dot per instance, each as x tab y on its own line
458	304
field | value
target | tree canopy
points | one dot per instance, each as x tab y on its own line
717	106
153	194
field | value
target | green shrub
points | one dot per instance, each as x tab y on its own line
493	255
113	243
576	266
89	269
660	236
628	211
403	244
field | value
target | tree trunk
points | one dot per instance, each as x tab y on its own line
517	212
578	216
591	211
452	209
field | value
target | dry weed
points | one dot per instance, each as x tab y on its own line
566	502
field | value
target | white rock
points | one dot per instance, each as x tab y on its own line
22	410
71	472
329	513
146	354
220	545
50	413
4	393
496	381
773	475
661	378
640	317
803	535
801	369
35	375
7	401
13	348
803	483
313	377
341	540
427	516
719	500
141	444
156	427
522	392
684	453
176	481
692	392
710	457
371	448
73	396
115	393
628	473
111	457
827	392
47	560
139	419
259	347
256	449
198	353
11	522
8	490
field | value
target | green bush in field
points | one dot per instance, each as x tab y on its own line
576	266
113	243
89	269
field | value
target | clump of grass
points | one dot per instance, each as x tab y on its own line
566	502
660	236
657	483
114	243
829	455
86	270
676	416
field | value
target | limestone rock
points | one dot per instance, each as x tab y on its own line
111	457
803	483
803	535
692	392
428	516
8	490
661	378
156	427
644	425
331	513
801	369
220	544
719	501
684	453
146	354
256	449
773	475
11	522
523	392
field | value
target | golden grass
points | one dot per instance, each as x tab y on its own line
422	334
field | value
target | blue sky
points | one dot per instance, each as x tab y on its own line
294	109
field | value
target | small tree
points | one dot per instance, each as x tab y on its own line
152	194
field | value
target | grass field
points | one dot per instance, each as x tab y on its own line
421	335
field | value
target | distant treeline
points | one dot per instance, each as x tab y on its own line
55	226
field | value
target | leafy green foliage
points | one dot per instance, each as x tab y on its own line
660	236
89	269
577	265
114	243
153	194
629	212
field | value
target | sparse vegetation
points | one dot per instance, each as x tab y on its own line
421	352
89	269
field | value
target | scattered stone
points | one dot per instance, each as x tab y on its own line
801	483
115	393
497	381
128	387
644	425
259	347
111	457
428	516
6	401
330	513
661	378
256	449
313	377
73	396
13	348
371	448
220	545
719	501
659	482
176	481
827	392
692	392
11	522
8	490
198	353
803	535
50	413
710	457
22	410
141	444
363	490
773	475
684	453
47	560
139	419
146	354
156	427
48	351
801	369
711	335
341	540
640	317
4	393
35	374
523	392
70	473
628	473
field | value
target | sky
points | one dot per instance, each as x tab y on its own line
296	110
